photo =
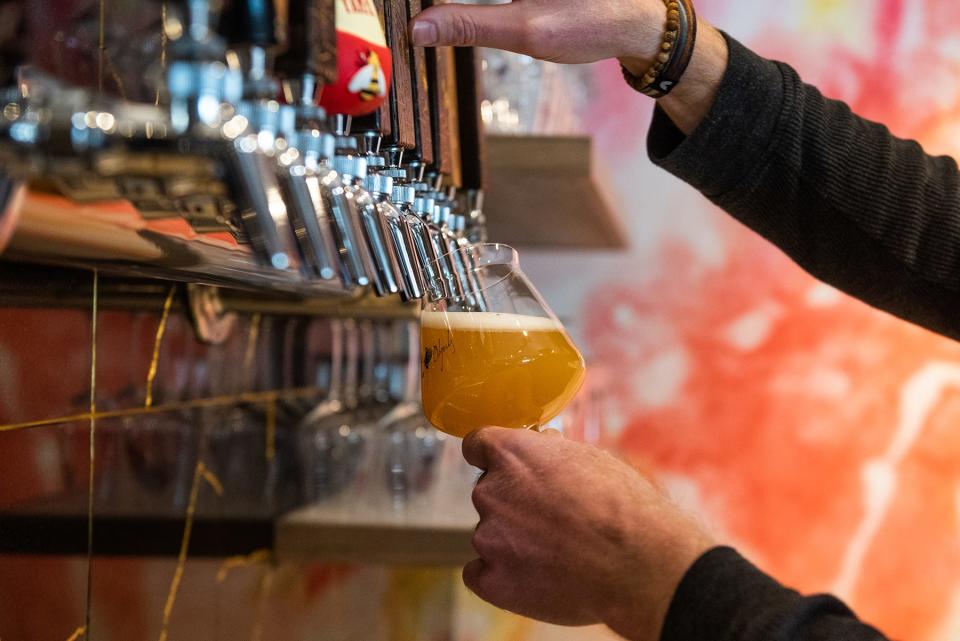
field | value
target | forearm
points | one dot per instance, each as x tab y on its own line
855	206
725	598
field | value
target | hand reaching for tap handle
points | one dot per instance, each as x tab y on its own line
576	32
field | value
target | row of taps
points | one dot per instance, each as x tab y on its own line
232	147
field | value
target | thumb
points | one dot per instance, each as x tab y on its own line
459	25
472	572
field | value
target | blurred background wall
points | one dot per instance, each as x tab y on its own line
818	435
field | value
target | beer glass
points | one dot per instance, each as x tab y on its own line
492	351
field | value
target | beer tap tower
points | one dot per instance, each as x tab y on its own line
237	177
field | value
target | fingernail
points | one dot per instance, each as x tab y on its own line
424	33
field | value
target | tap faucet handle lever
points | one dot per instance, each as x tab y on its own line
370	143
249	22
265	218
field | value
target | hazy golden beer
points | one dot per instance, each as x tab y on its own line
487	368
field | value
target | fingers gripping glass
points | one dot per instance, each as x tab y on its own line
492	351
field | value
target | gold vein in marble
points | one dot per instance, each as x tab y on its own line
252	398
201	472
157	342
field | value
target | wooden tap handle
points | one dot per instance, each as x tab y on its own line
469	94
423	128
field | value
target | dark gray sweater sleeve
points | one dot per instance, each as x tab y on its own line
725	598
869	213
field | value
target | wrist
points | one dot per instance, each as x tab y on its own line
677	44
643	36
691	100
639	614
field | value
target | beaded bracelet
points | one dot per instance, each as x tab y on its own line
676	50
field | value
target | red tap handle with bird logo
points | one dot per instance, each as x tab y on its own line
364	61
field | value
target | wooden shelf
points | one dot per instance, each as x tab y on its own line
58	526
541	192
341	530
416	534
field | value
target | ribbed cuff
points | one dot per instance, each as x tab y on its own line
721	597
736	134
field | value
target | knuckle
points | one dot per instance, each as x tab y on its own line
468	442
467	445
478	579
472	573
482	499
541	35
518	452
483	542
526	35
535	35
491	435
461	28
508	439
474	446
494	442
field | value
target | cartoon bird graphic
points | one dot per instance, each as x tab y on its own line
369	81
364	62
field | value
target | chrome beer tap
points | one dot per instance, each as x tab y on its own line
414	226
333	203
202	90
249	27
384	172
443	282
454	227
429	207
381	189
306	63
416	169
60	133
475	225
461	245
298	175
417	236
425	252
352	168
324	227
451	250
395	169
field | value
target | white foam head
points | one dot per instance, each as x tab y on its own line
488	322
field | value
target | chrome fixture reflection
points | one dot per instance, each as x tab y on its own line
384	267
381	189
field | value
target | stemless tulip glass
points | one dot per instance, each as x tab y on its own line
492	351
